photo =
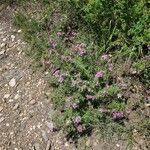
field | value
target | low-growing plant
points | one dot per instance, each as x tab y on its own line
85	90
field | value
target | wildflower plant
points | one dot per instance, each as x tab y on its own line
83	58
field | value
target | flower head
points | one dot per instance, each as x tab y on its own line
110	67
80	128
117	115
77	120
99	74
60	33
105	57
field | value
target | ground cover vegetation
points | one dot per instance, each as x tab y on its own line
97	53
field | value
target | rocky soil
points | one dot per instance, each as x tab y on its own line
25	110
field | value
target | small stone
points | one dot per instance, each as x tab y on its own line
16	106
50	125
2	52
88	142
66	144
147	105
12	36
117	145
2	45
2	119
1	108
19	31
11	100
7	124
44	135
48	147
4	39
12	82
37	146
17	96
6	96
32	102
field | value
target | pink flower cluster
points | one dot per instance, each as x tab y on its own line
77	120
60	33
90	97
80	49
117	115
110	66
99	74
80	128
59	76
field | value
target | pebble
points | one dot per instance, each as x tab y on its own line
16	106
6	96
17	96
4	39
44	135
32	102
50	125
48	147
2	45
2	52
11	100
19	31
12	36
12	82
66	144
117	145
2	119
1	108
37	146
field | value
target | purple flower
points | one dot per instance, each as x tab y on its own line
110	67
80	128
77	120
99	74
59	76
60	33
90	97
80	49
57	73
105	57
117	115
148	92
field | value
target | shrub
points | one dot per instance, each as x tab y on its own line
117	23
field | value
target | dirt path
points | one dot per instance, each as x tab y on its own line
25	111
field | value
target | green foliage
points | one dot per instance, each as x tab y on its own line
81	62
117	23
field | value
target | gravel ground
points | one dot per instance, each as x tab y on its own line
25	110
